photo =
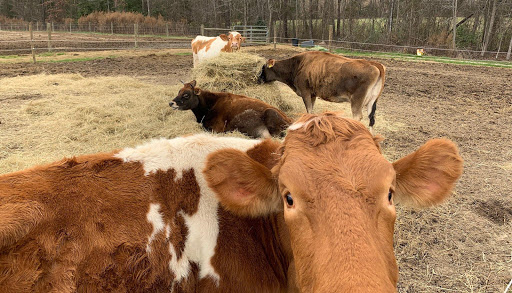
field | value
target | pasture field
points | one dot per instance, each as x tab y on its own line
53	109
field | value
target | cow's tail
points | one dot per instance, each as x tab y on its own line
17	219
375	93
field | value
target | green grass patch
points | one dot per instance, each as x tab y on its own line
10	56
440	59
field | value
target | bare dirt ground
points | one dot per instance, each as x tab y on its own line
464	245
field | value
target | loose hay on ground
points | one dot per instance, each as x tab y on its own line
74	115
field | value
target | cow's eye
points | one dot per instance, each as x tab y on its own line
390	195
186	96
289	200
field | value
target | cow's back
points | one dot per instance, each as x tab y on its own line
330	75
88	228
231	111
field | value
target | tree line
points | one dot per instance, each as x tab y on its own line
478	24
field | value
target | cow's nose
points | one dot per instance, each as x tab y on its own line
173	105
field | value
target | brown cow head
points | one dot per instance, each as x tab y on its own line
236	40
337	193
187	98
268	73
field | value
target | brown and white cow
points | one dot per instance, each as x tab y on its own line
210	214
226	112
332	78
209	47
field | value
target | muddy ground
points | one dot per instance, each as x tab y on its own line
462	246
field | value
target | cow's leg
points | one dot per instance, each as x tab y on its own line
275	122
308	101
371	108
313	100
356	106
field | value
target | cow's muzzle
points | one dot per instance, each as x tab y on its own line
173	105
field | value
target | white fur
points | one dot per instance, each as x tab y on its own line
180	154
213	51
156	219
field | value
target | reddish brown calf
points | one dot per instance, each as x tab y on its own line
225	112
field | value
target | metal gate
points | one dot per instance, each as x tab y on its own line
252	33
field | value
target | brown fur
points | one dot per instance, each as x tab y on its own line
341	222
225	112
330	77
80	225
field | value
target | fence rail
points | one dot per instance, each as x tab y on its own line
142	36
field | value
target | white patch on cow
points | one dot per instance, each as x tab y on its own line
234	34
181	154
213	50
180	267
296	126
156	219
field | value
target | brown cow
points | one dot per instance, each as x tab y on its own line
225	112
314	214
332	78
209	47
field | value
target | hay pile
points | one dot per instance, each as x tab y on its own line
229	71
238	73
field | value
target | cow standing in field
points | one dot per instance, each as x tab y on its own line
201	213
226	112
209	47
333	78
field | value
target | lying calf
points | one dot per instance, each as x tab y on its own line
225	112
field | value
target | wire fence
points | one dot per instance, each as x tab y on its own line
48	37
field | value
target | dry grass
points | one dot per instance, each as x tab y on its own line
229	71
66	115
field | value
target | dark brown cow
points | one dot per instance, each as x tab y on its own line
332	78
225	112
313	214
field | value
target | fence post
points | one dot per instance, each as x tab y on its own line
32	42
37	26
53	27
49	29
167	29
202	30
509	49
70	26
135	32
275	35
89	26
330	38
111	27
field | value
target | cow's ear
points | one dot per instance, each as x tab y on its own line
242	40
427	176
271	62
224	37
243	186
193	83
